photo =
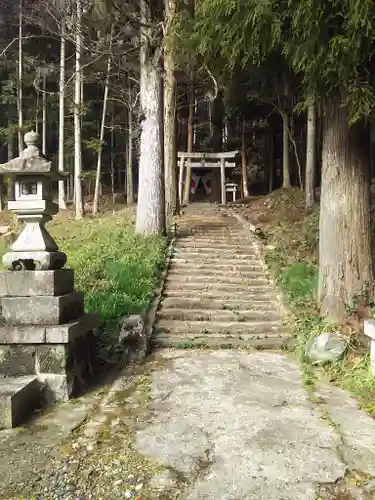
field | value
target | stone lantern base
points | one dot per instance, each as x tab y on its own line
45	341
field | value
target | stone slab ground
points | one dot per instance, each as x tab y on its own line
194	425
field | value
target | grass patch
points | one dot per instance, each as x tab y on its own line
115	268
293	237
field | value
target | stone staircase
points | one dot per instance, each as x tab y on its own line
216	293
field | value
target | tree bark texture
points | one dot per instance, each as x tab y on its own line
286	156
269	159
245	187
62	204
170	129
129	168
150	207
310	157
44	116
95	205
345	264
77	118
20	79
190	138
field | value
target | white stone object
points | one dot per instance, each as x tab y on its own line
369	331
326	347
36	186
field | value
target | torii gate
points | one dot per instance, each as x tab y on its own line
219	160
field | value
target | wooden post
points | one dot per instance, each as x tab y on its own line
181	181
222	179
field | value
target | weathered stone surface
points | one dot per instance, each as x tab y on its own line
327	347
58	387
163	481
17	360
42	310
18	397
239	426
18	334
67	366
31	283
131	327
20	359
17	261
59	334
356	429
223	425
52	359
68	332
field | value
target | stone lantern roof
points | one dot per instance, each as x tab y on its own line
31	162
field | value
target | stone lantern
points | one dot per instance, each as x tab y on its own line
45	336
35	194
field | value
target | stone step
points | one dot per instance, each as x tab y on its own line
170	326
213	260
19	396
222	295
237	315
181	266
213	303
213	253
212	273
209	244
212	240
235	279
199	287
222	235
219	341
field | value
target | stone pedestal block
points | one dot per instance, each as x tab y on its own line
18	397
34	283
42	310
61	356
49	334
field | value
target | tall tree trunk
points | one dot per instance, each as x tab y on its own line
310	157
10	182
345	266
20	80
271	162
190	138
77	118
286	156
95	205
129	167
150	207
112	163
268	159
37	111
170	109
62	203
44	116
244	162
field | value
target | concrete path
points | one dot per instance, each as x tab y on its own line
199	425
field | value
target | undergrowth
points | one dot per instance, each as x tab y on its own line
115	268
293	236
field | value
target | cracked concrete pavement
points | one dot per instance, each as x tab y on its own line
220	425
241	425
